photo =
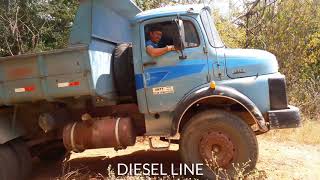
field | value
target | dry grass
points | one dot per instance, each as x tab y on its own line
239	171
110	175
220	174
308	133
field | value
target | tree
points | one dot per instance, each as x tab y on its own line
151	4
35	25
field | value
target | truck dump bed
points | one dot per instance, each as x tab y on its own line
83	69
49	75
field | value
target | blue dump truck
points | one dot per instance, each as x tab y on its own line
105	90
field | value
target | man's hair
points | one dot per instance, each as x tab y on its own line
155	28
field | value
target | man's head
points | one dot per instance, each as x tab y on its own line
155	34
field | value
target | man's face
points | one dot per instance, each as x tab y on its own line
155	36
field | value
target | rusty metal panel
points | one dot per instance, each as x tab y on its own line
14	70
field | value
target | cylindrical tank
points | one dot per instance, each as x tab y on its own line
105	132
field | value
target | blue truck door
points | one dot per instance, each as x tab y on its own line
167	78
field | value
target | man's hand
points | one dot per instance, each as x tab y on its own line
170	48
155	52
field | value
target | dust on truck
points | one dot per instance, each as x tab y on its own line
104	90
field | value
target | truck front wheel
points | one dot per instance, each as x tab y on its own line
218	139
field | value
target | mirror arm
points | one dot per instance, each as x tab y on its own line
182	57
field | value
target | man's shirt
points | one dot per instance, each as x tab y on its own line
150	43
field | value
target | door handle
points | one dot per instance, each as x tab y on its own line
149	63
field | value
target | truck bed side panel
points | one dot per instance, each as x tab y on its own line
49	75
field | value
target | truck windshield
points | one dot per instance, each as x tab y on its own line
211	31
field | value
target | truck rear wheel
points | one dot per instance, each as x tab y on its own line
15	161
9	167
217	138
23	155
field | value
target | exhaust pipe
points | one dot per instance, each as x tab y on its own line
104	132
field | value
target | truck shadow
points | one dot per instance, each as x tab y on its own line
87	167
120	164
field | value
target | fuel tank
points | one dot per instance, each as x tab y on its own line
105	132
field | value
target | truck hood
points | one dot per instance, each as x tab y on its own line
249	62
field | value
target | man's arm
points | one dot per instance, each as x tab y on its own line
155	52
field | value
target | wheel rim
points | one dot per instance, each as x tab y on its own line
217	149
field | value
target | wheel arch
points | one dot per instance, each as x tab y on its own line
222	97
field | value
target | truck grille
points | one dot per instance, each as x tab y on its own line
278	93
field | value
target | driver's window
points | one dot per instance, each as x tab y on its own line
170	33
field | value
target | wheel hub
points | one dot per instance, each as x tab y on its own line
217	149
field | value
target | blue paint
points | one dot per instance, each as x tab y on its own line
250	61
166	73
170	11
154	78
94	20
156	75
139	81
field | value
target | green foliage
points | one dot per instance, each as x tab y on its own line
56	32
151	4
35	25
232	35
292	34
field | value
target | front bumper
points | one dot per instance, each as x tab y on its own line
284	118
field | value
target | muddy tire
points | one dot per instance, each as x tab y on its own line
9	167
217	138
15	161
23	156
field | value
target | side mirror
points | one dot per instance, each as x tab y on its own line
179	40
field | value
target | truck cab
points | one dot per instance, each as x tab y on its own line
163	82
105	90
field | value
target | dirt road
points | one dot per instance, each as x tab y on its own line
289	160
277	160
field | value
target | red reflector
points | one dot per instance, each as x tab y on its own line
76	83
25	89
29	88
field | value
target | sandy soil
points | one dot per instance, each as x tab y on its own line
289	160
277	160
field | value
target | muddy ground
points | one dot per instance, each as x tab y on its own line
277	160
